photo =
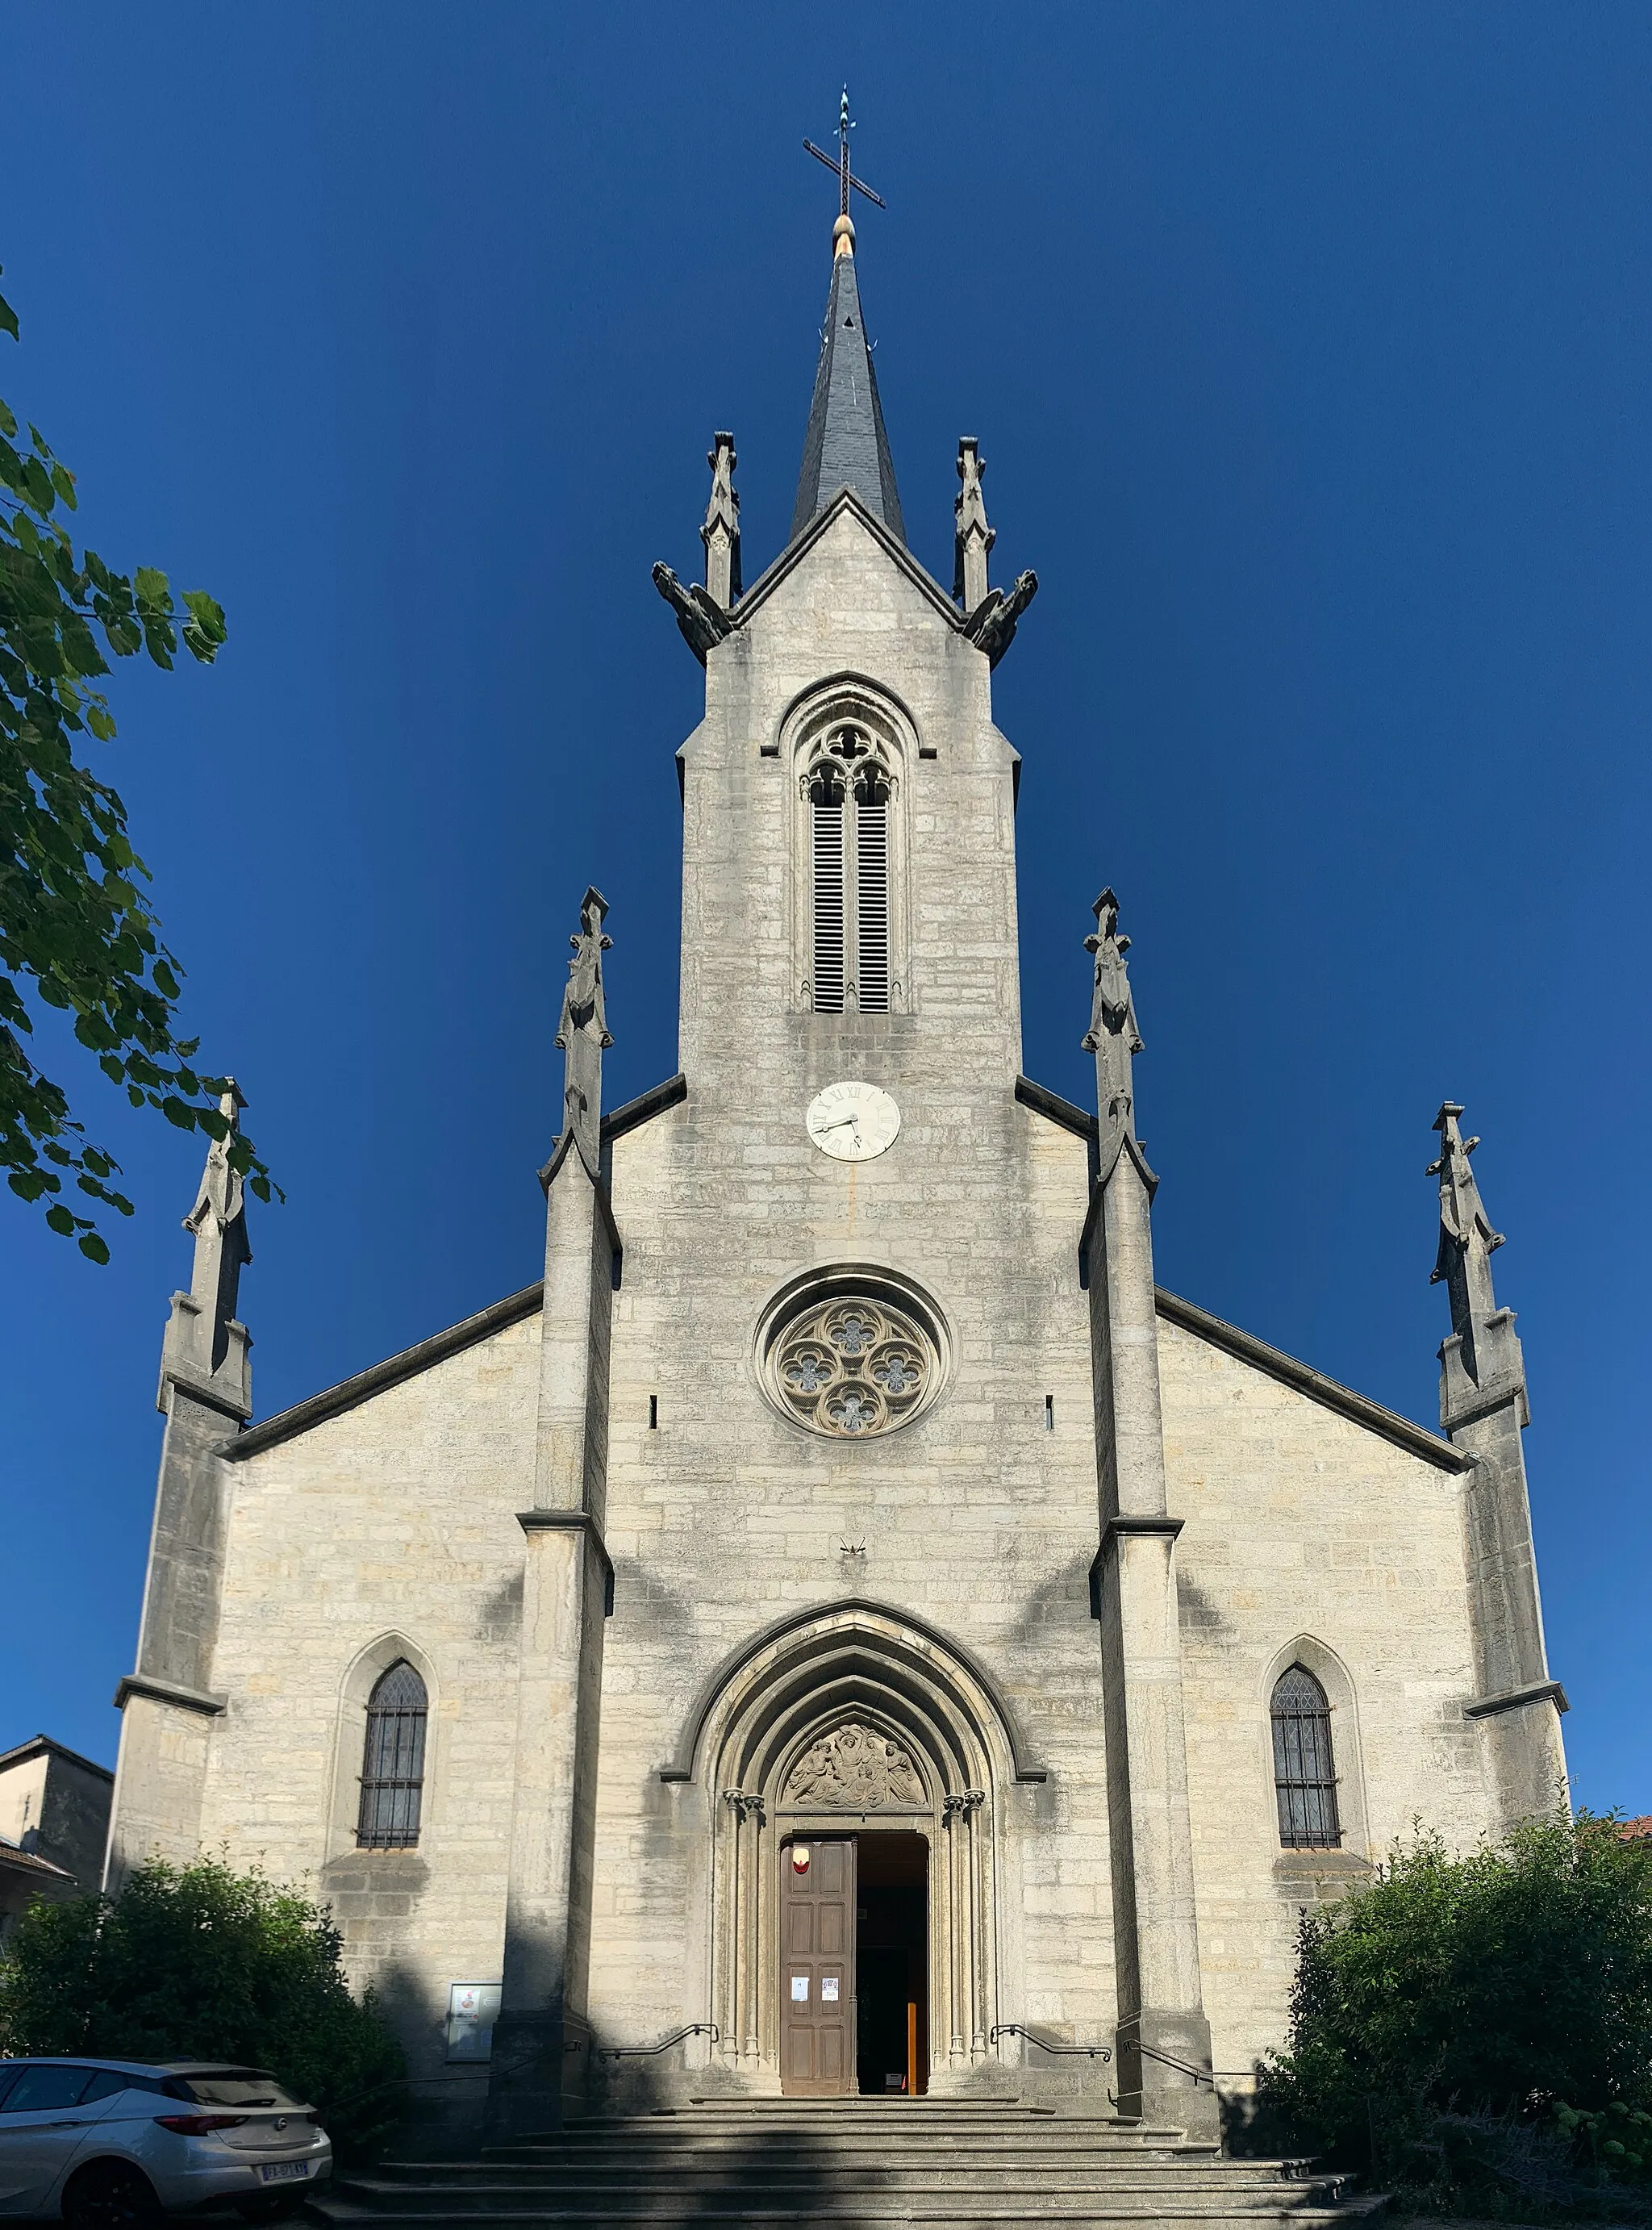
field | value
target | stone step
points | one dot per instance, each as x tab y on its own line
1075	2175
831	2113
830	2143
955	2208
1034	2137
465	2177
852	2164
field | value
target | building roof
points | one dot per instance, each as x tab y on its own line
14	1859
42	1745
1637	1831
847	445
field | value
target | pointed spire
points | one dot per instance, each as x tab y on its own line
847	445
206	1345
584	1035
973	537
720	532
1114	1040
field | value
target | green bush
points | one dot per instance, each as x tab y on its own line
1467	2021
200	1963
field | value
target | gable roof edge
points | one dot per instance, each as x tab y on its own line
845	500
379	1377
1245	1347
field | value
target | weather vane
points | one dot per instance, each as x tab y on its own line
840	162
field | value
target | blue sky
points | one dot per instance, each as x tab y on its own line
1307	350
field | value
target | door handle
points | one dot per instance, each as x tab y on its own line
78	2123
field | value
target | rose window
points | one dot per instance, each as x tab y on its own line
851	1365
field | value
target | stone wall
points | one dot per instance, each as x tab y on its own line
1302	1523
389	1530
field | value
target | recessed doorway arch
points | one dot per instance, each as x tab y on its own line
853	1722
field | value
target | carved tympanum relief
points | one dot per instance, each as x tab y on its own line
853	1770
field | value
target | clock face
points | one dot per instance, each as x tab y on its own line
851	1121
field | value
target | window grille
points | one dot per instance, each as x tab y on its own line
1304	1768
393	1762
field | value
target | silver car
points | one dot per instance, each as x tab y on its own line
112	2144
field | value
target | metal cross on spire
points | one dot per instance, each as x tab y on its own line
840	162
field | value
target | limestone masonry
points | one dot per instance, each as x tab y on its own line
847	1628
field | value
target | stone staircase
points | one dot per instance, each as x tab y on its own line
861	2165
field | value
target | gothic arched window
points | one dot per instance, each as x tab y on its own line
848	790
393	1761
1304	1767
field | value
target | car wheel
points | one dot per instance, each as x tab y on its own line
111	2195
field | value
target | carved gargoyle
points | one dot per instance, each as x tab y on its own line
991	626
703	621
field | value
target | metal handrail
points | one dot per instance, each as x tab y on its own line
649	2050
1019	2028
1210	2075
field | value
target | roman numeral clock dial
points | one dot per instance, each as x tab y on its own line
851	1121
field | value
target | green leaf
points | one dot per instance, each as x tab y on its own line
205	629
175	1111
95	1249
37	487
60	1221
97	720
153	588
8	319
63	482
8	424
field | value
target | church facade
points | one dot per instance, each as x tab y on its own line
846	1628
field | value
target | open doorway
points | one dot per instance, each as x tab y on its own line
892	1964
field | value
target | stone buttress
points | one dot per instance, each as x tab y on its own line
167	1703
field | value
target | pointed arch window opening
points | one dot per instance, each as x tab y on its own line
393	1758
1304	1764
849	790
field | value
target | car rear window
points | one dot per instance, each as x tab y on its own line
234	2086
40	2088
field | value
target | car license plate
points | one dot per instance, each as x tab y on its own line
285	2171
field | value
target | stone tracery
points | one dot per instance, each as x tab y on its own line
851	1366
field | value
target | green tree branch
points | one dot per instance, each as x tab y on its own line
75	923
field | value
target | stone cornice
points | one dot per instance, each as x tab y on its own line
1129	1522
1515	1700
569	1521
204	1701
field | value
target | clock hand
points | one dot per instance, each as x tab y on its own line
838	1124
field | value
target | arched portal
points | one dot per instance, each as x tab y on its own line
851	1721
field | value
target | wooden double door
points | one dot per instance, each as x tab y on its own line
852	1965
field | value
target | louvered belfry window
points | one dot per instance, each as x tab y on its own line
1304	1767
849	798
393	1762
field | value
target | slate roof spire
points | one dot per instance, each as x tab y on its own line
847	445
